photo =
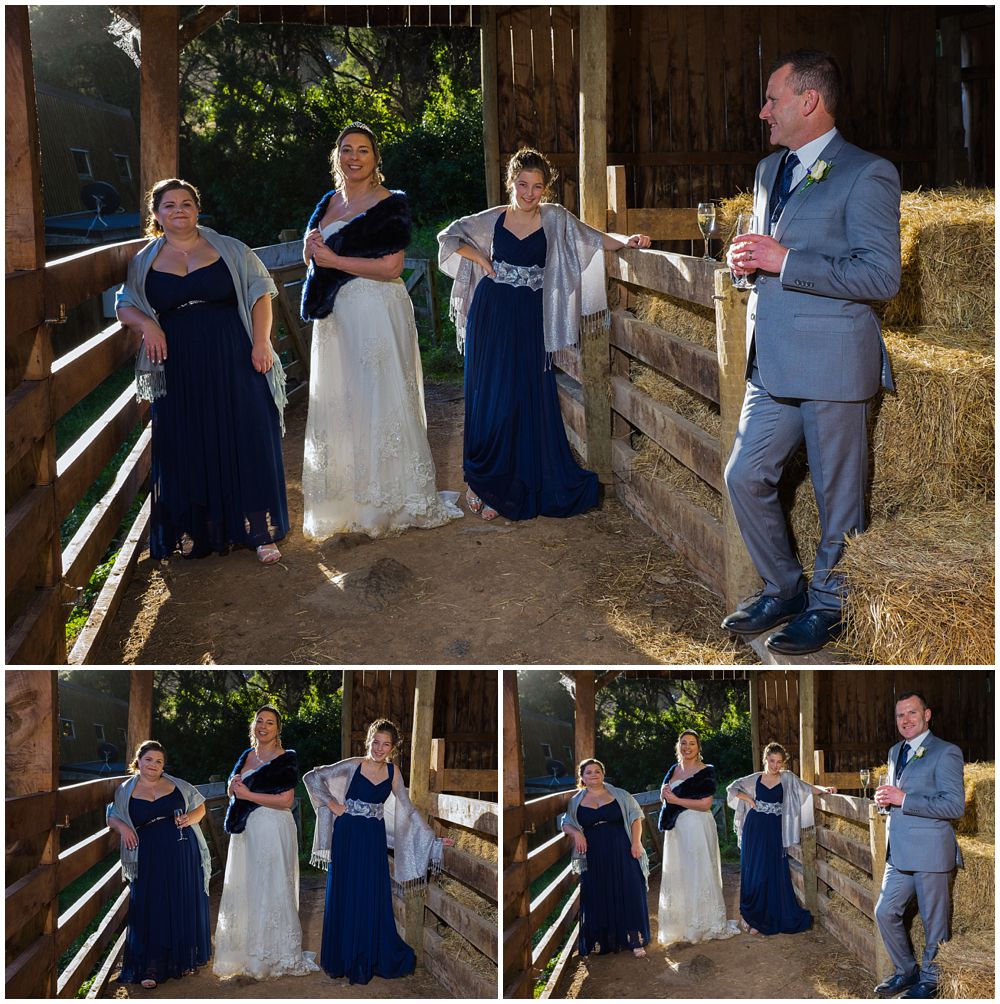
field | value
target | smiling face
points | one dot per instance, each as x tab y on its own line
912	718
689	748
356	158
774	763
177	211
150	766
592	775
380	747
265	728
527	190
784	110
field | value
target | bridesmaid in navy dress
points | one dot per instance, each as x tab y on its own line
517	460
767	900
614	914
217	469
168	928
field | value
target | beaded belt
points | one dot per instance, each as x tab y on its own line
519	275
370	810
769	808
181	306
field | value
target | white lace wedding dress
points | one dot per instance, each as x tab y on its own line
367	464
258	932
692	907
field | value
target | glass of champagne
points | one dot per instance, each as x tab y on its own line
744	225
882	775
706	223
866	779
177	815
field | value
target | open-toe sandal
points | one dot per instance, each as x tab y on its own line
474	502
148	984
268	554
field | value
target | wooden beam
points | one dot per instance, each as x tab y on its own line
86	367
854	892
584	721
140	708
28	529
346	711
96	990
491	111
677	275
464	779
76	919
476	930
755	698
27	418
470	870
75	860
78	277
458	978
741	577
560	966
545	855
472	813
849	933
200	22
573	414
807	725
37	635
548	899
545	948
883	966
664	224
159	103
844	847
79	969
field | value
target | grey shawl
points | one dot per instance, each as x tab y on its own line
119	808
412	841
252	281
574	291
796	806
631	811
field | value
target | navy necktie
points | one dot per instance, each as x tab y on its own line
783	188
904	756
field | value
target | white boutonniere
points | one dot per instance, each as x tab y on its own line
817	173
920	752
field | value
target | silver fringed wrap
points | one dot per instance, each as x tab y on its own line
192	799
574	291
797	812
415	848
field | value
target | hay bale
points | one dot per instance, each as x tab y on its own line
974	891
679	317
656	463
686	403
980	813
966	966
921	590
947	241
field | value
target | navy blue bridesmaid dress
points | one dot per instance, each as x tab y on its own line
218	477
516	455
360	939
168	928
767	899
614	914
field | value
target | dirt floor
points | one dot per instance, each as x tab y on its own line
204	986
597	588
783	967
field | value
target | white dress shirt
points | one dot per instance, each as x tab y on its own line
809	153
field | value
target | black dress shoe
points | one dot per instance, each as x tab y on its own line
809	632
761	613
896	984
922	991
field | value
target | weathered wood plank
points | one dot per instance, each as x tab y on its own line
539	810
27	896
77	373
75	860
459	979
159	100
28	528
74	921
82	463
471	871
568	360
678	358
71	280
34	638
691	530
21	976
664	224
560	966
665	272
474	928
84	552
681	438
473	813
27	417
24	301
846	806
79	969
104	973
547	900
853	891
77	800
856	938
544	856
545	948
571	407
466	779
114	589
850	850
526	122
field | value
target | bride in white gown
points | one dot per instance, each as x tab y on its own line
367	464
258	932
692	907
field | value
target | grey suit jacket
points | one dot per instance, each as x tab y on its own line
920	833
815	334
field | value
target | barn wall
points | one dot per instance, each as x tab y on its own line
685	85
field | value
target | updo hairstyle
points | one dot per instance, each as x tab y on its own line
155	196
360	127
583	765
529	159
389	728
774	748
274	711
141	750
687	732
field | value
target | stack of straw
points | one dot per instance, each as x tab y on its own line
928	553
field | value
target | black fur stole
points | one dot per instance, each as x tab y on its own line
375	233
273	778
698	785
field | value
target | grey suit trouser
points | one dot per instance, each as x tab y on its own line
933	898
771	429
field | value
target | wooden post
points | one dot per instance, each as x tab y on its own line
617	200
421	733
876	843
31	765
436	764
730	347
952	161
595	349
807	765
755	750
586	712
140	709
491	108
346	713
517	979
159	103
35	615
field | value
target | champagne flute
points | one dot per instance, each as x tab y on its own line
882	775
706	223
744	225
866	779
177	815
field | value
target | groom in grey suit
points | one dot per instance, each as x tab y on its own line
825	244
925	791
